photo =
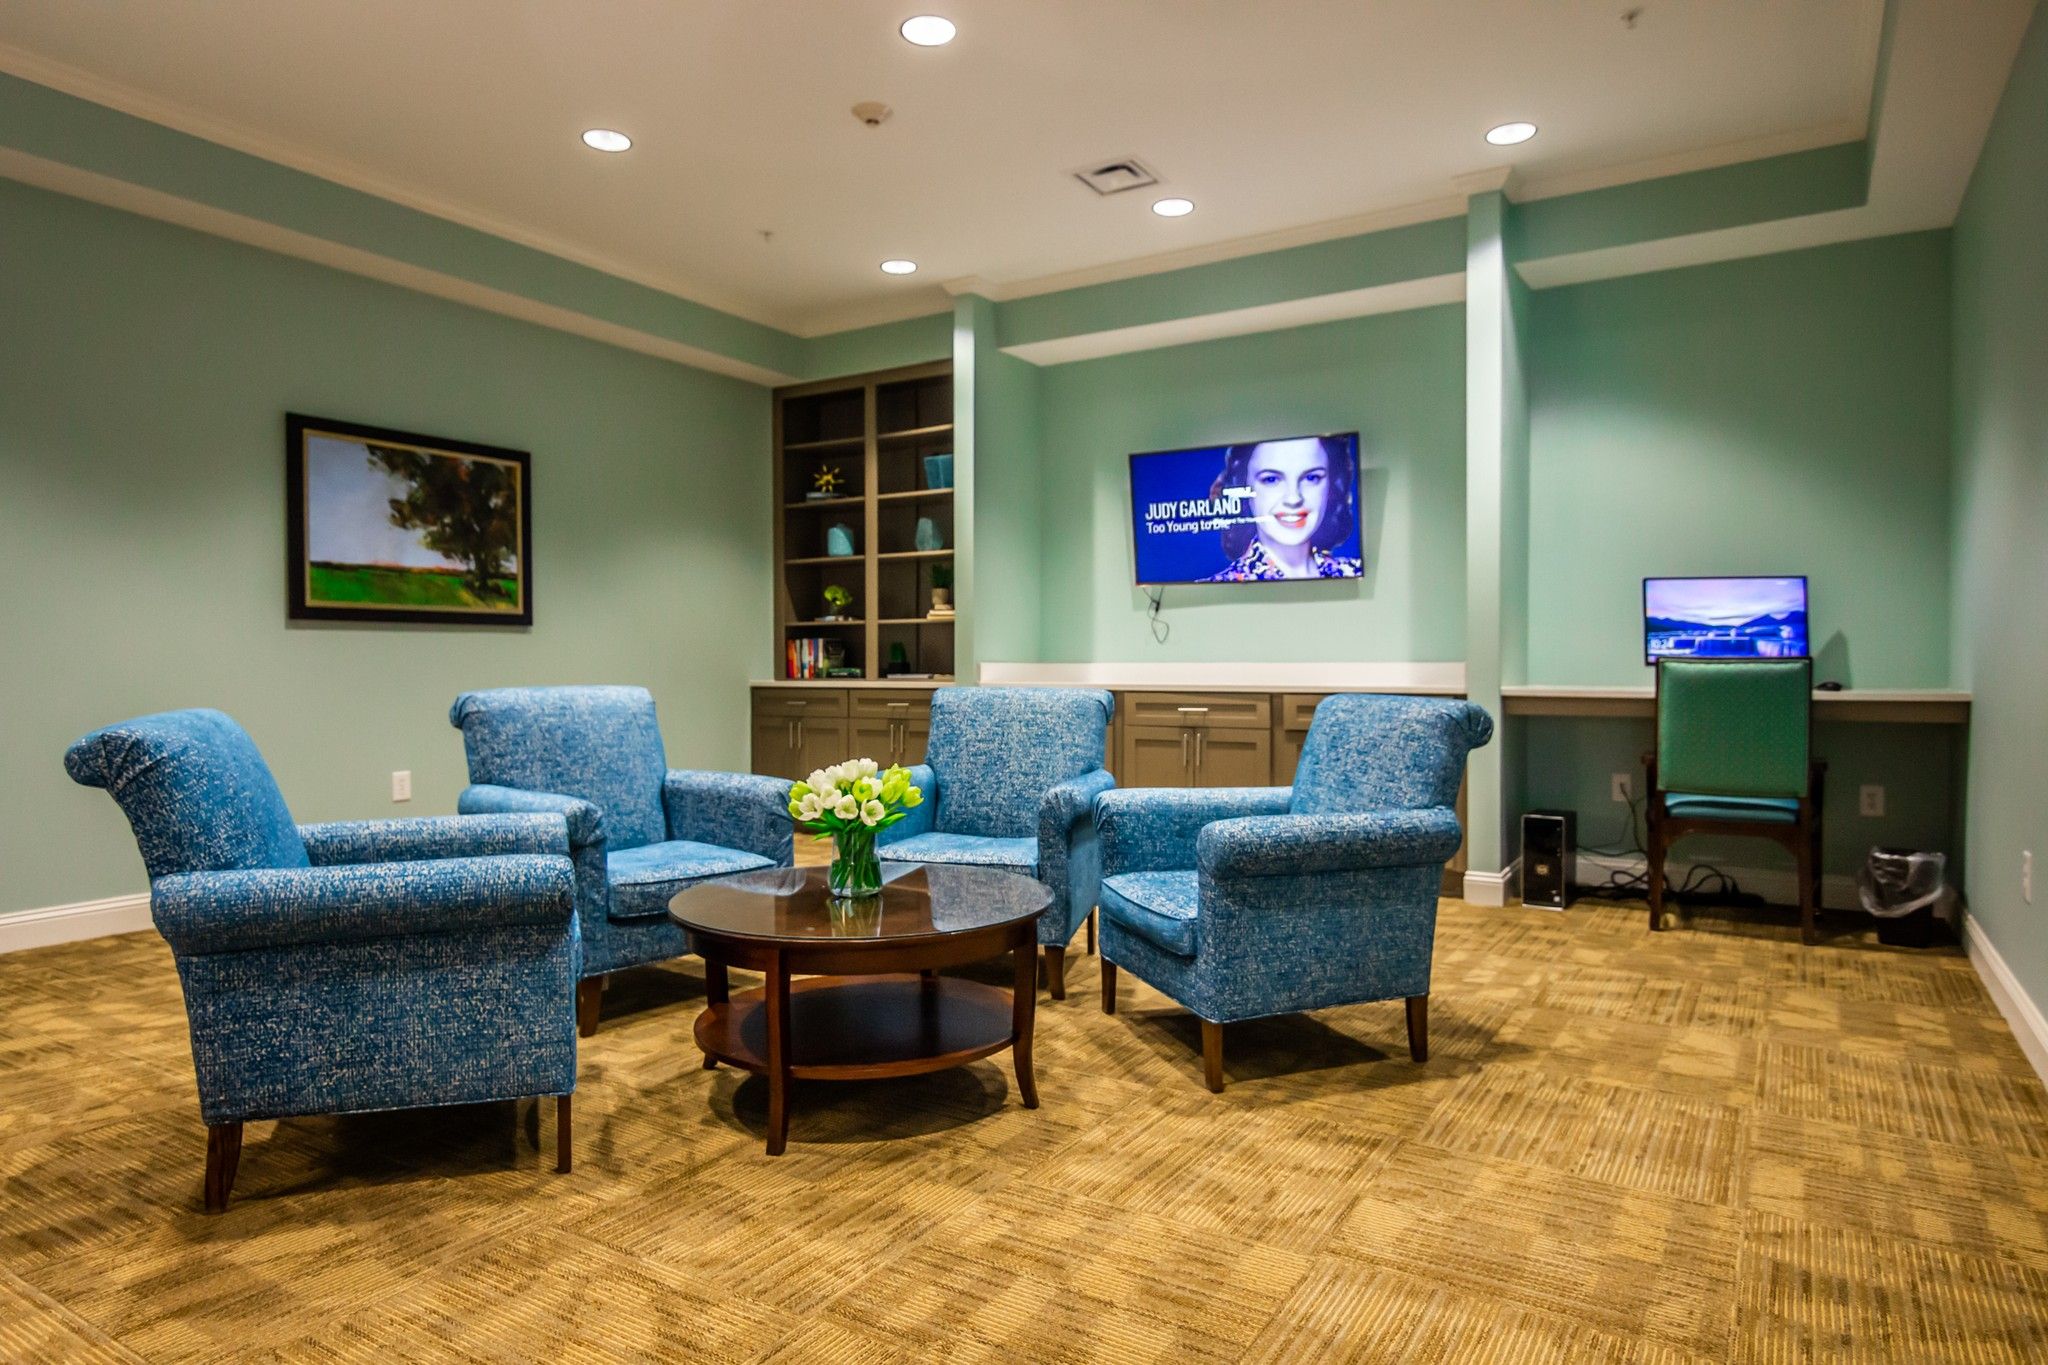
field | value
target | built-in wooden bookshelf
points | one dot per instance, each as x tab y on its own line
873	435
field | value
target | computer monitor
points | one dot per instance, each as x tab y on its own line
1724	618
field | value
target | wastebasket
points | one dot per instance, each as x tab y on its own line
1902	888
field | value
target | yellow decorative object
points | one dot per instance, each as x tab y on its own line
825	483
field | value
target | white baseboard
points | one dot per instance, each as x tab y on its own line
1492	888
2019	1009
70	923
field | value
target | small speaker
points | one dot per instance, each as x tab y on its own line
1549	839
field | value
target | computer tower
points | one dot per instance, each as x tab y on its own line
1549	839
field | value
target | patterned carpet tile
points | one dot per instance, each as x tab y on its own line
1348	1314
1985	1199
1811	1292
1274	1176
1704	1144
1912	1099
1033	1274
1646	1140
1621	1261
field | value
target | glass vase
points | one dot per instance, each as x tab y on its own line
856	873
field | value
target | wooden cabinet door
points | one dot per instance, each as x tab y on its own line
911	737
1233	758
821	741
1157	756
874	739
775	747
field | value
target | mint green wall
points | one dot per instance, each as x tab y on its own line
884	346
1784	414
1008	515
144	376
2001	527
1398	379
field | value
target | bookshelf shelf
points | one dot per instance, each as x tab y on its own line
871	433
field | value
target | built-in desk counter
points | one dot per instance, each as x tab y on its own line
1895	706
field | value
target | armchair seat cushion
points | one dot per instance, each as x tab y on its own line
644	879
1769	810
971	850
1163	908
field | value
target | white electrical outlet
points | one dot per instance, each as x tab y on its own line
2027	876
1870	799
401	785
1619	787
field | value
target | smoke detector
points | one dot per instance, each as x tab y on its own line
1115	177
873	113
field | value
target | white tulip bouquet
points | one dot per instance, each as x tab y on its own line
850	803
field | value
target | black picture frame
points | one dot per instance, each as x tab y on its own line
304	602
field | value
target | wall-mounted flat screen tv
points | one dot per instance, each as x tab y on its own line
1255	512
1724	618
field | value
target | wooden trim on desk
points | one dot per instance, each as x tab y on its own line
1895	706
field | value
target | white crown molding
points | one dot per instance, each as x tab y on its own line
966	284
2029	1028
1335	229
169	208
1531	188
1401	297
52	924
1484	182
875	313
41	70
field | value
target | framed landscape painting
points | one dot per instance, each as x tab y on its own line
395	526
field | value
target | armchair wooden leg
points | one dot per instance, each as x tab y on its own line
1108	986
1418	1027
1056	970
589	1000
1091	931
223	1157
1212	1056
562	1133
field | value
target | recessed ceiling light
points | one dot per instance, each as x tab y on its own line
1174	208
928	30
1508	134
899	267
605	140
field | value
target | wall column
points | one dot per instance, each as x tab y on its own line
1496	528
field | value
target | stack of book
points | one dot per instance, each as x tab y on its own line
806	658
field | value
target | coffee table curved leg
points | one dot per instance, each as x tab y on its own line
716	992
777	1003
1024	994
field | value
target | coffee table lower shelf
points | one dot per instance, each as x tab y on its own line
849	1028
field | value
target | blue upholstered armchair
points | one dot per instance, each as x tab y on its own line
387	964
1010	779
1251	901
638	831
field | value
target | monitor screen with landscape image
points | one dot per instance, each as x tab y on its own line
1724	618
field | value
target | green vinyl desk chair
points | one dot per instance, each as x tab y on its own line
1735	756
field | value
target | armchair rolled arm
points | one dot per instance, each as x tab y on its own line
1065	803
732	810
586	821
437	836
1286	845
921	818
1153	829
280	907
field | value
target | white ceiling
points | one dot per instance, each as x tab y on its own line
1291	117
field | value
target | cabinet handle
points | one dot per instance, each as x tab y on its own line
799	733
1185	761
1192	710
1198	748
897	705
799	703
789	734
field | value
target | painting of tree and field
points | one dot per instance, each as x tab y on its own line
395	529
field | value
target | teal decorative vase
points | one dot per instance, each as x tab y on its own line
927	537
856	873
839	540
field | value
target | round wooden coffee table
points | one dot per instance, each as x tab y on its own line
871	1003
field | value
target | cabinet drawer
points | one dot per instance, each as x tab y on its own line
1297	709
891	705
1216	710
790	703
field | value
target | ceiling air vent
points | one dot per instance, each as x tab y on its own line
1114	177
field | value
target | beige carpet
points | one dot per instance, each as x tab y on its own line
1707	1145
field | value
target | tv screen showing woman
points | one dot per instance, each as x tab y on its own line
1256	512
